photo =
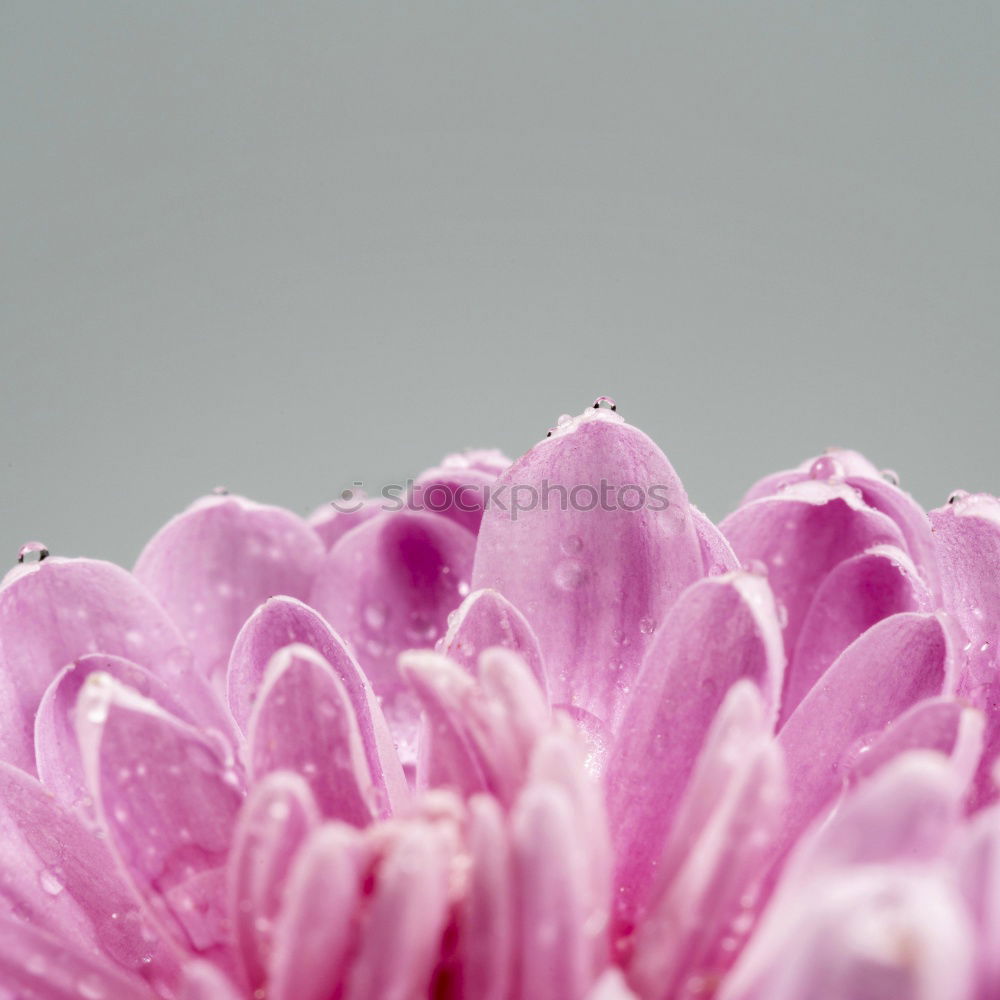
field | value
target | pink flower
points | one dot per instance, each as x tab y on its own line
543	733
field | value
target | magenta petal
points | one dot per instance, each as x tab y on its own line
52	613
859	592
213	564
277	817
55	873
389	586
721	630
57	750
303	721
461	495
800	536
485	917
203	981
717	555
699	912
313	931
551	882
594	578
166	801
37	963
331	523
486	619
409	907
282	621
896	663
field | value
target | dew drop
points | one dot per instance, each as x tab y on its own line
563	420
828	468
646	626
50	882
32	552
957	495
220	491
571	545
569	574
782	613
375	615
853	755
891	476
605	403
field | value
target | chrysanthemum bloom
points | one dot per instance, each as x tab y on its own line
554	736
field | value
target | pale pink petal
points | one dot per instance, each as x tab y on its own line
893	665
486	619
303	721
389	586
800	535
721	630
274	822
861	591
166	799
459	494
282	621
701	908
203	981
611	986
52	613
486	914
870	933
717	555
332	523
56	874
409	908
37	963
314	929
977	859
57	750
551	881
591	575
212	565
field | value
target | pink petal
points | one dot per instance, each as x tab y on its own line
717	555
611	986
896	663
486	619
856	594
332	523
409	908
564	569
800	536
52	613
461	495
282	621
36	963
492	461
203	981
479	734
55	873
701	909
485	918
389	586
277	817
304	722
870	933
167	802
721	630
213	564
977	859
57	750
313	932
551	883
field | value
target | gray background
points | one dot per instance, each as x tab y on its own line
285	246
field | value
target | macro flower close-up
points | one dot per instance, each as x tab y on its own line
536	730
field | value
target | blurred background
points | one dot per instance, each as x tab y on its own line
286	247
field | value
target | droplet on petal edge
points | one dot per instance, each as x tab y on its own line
604	403
32	552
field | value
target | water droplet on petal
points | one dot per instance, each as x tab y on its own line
563	420
891	476
957	495
50	882
375	615
572	545
646	626
32	552
220	491
827	468
853	755
782	613
605	403
569	574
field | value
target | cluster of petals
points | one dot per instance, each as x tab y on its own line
573	754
